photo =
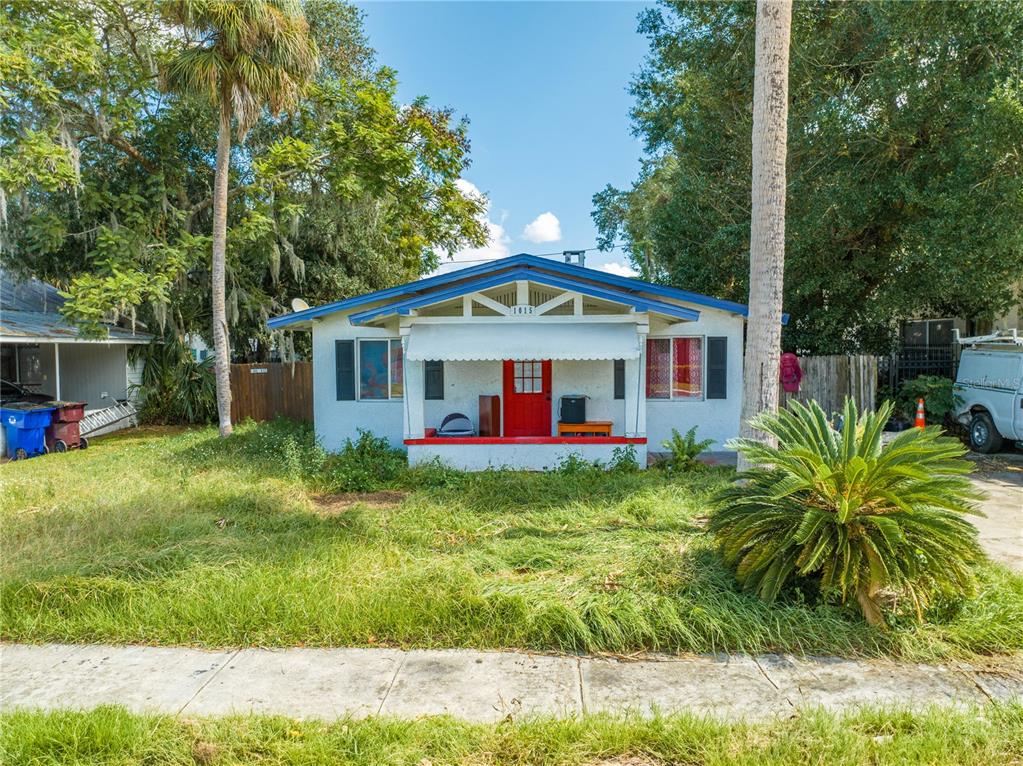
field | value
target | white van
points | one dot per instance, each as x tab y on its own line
990	384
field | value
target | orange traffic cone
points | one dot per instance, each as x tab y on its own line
921	418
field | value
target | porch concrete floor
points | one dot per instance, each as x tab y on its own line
480	686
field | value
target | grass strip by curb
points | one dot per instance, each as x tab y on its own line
110	735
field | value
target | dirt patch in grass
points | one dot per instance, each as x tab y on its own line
628	760
205	753
330	505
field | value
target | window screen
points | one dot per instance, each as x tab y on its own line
373	369
914	334
397	371
687	373
658	368
674	368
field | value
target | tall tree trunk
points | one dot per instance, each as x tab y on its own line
221	345
767	227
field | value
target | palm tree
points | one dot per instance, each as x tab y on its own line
767	226
247	54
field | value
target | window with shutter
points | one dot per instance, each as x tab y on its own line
687	372
381	374
674	368
373	369
619	378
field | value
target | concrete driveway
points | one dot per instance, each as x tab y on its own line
1001	529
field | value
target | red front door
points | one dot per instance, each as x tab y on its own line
527	398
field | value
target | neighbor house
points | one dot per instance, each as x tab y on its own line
43	353
503	343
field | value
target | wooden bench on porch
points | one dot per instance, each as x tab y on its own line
589	428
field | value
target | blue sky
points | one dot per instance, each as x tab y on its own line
545	86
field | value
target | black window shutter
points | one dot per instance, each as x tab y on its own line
344	365
434	379
717	368
619	378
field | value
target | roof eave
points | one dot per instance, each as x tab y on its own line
522	260
637	302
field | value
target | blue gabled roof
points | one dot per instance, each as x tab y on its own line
552	280
533	266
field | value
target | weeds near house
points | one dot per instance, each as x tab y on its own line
683	450
623	459
363	465
179	537
860	520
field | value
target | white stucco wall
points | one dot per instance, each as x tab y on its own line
530	457
337	421
595	379
716	419
464	382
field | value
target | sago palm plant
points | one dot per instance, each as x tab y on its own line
862	518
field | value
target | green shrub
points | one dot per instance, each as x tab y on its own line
175	389
937	393
434	473
363	465
574	463
683	450
861	519
623	459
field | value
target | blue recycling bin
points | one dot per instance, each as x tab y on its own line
25	426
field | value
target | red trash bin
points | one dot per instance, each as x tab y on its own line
63	432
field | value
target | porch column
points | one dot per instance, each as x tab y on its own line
635	392
415	390
56	368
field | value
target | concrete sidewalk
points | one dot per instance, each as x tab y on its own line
480	686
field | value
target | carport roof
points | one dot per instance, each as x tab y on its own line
30	313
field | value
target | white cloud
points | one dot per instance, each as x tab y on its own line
618	269
545	228
498	241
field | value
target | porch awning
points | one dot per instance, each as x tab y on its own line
522	340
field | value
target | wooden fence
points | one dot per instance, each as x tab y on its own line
829	379
264	391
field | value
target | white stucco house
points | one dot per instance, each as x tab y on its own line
503	342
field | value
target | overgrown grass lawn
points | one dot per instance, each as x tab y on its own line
179	538
112	736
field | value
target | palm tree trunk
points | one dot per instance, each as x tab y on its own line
767	227
221	345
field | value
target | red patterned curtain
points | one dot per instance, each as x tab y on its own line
687	375
658	368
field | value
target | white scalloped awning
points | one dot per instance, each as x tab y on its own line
522	340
